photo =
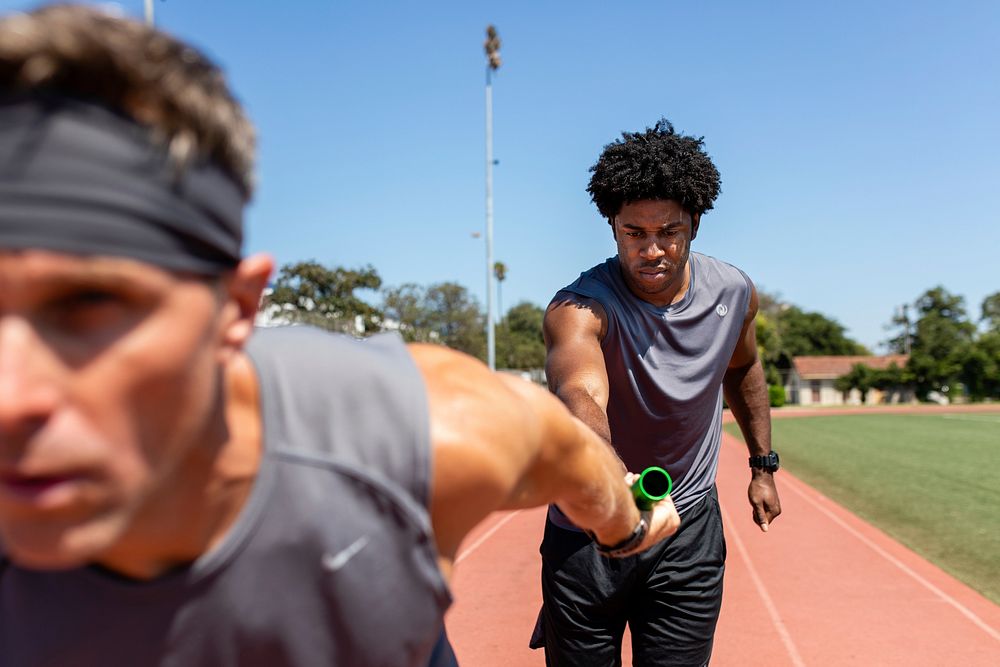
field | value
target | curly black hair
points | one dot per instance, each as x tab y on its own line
655	164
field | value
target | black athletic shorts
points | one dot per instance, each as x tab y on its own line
443	655
670	596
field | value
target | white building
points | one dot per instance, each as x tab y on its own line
811	381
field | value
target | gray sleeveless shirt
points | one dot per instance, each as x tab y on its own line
665	367
331	561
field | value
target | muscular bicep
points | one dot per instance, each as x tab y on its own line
574	363
746	348
482	440
499	442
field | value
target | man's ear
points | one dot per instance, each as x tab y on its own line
695	221
242	291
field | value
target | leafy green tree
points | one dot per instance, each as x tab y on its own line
769	348
442	313
785	331
456	316
776	395
804	333
404	309
890	378
860	377
311	293
980	367
519	338
942	336
991	312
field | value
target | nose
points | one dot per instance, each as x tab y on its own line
652	251
28	396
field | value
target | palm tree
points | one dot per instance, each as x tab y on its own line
500	273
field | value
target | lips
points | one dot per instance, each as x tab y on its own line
652	273
37	491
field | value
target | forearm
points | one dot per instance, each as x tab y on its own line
746	393
598	499
584	407
577	469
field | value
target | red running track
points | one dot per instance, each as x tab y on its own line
821	588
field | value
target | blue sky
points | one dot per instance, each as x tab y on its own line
859	142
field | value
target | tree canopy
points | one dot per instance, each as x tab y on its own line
948	352
311	293
519	338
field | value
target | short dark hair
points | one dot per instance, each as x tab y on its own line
655	164
158	81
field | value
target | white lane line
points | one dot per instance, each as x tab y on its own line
965	611
772	610
485	536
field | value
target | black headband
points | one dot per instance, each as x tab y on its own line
77	178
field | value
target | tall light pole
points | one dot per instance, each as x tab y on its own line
492	46
149	13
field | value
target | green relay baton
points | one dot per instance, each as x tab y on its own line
654	484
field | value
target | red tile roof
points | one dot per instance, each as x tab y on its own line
833	367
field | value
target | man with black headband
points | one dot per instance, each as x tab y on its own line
175	491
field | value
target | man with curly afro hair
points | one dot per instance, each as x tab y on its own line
642	348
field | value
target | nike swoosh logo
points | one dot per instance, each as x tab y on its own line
334	562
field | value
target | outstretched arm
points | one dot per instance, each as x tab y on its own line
745	388
574	363
501	443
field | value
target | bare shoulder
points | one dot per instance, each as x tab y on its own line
464	395
435	361
571	316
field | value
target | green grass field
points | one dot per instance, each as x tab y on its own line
931	481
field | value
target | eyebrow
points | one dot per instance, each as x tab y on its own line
96	275
674	223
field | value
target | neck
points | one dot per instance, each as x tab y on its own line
197	506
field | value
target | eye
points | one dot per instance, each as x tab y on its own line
90	298
633	235
85	310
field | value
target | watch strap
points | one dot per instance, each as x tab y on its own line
630	544
767	462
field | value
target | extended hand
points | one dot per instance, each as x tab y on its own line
663	520
763	498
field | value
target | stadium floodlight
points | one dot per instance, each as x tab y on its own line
492	47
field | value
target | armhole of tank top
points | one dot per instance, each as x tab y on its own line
423	446
749	291
611	323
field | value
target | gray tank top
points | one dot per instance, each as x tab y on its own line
331	561
665	366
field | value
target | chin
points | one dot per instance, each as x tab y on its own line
37	547
33	558
652	286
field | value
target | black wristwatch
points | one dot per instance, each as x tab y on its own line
629	545
768	463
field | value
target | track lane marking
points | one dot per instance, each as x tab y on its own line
965	611
485	536
772	610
